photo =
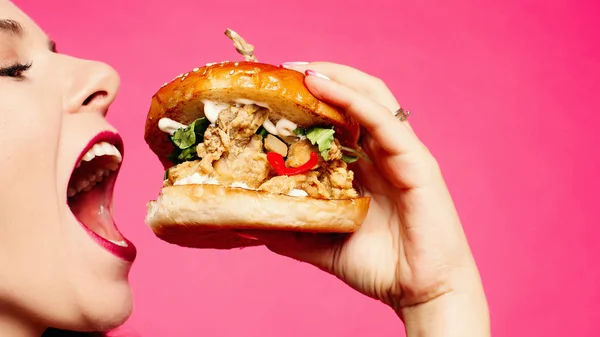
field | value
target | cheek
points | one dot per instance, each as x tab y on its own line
29	133
29	236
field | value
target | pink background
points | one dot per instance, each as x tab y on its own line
504	93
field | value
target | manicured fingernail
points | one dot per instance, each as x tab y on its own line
246	236
292	64
310	72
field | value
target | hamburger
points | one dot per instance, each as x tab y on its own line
246	146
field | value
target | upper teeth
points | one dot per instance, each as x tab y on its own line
102	149
99	149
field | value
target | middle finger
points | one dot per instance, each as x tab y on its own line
362	82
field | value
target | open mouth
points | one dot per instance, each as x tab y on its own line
90	191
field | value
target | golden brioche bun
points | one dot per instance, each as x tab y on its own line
282	89
205	216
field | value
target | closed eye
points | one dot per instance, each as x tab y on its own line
16	70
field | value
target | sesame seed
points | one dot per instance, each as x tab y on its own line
231	72
210	64
236	64
196	69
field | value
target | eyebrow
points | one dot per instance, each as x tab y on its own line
15	28
11	26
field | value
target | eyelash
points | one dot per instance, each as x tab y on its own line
15	71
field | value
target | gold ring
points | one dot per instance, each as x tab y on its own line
402	114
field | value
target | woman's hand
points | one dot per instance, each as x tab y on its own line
410	252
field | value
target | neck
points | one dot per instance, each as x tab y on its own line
14	325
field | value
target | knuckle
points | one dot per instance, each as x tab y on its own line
428	158
379	91
431	167
378	84
324	64
324	67
354	106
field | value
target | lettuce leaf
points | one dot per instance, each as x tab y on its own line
186	139
323	138
191	135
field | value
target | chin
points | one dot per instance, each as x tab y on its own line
110	314
102	310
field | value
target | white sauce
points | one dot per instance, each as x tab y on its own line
196	178
297	193
285	128
212	109
200	179
241	185
270	127
248	101
169	126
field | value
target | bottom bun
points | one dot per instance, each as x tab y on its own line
206	216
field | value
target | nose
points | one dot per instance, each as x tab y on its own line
93	87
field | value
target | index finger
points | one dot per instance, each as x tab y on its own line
355	79
389	132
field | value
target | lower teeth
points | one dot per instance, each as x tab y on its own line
71	192
119	243
86	185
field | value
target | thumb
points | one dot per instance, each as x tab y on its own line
320	250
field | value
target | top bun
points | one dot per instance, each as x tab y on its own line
281	89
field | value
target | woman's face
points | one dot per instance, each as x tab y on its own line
58	266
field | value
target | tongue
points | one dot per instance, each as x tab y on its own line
92	209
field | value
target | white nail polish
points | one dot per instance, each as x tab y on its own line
316	74
293	64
